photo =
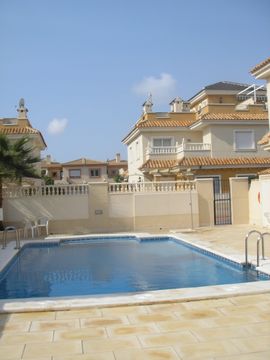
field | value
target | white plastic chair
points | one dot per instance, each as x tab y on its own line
30	226
42	222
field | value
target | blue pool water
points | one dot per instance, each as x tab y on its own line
103	266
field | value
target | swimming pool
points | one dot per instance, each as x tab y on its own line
97	266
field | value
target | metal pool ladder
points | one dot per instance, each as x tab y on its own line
259	239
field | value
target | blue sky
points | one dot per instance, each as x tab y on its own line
84	67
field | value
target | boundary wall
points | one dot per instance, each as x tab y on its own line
104	207
259	200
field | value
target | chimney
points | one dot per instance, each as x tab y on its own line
22	111
147	105
117	158
179	105
176	104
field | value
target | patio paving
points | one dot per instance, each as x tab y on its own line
231	328
236	327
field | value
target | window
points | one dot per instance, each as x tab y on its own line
95	172
244	140
74	173
161	142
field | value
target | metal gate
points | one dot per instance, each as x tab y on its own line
222	202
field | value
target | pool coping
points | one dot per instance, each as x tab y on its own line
138	298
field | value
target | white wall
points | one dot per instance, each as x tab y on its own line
56	207
121	205
136	158
259	201
99	211
265	199
255	217
222	137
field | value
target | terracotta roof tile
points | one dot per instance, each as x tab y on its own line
53	164
10	130
117	163
165	123
260	65
83	161
20	130
235	116
162	123
265	139
159	164
206	161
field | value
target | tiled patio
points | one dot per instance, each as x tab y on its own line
236	327
231	328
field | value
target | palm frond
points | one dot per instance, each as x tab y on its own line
16	159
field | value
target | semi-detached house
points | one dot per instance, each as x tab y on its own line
213	134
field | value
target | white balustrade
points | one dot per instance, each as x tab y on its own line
72	190
194	147
161	150
51	190
142	187
171	150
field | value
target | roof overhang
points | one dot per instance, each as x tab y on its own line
200	124
228	166
263	73
131	136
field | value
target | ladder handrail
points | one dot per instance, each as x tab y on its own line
258	251
263	234
260	238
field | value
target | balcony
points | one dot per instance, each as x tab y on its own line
178	151
161	150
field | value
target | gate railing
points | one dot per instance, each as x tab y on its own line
222	202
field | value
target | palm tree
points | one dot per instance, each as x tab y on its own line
16	162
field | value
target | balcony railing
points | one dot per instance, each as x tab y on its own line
194	147
173	150
161	150
162	186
